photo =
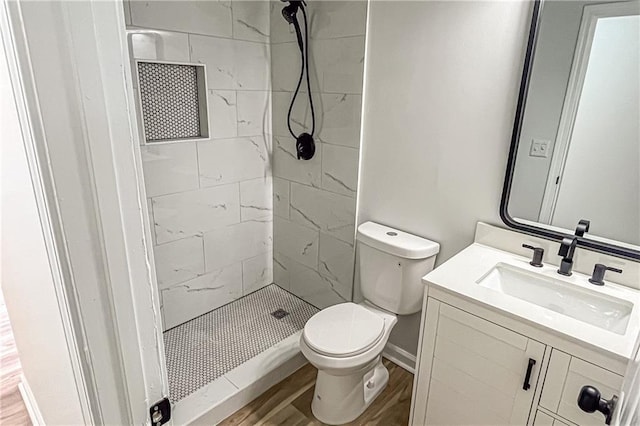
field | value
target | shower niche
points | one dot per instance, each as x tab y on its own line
172	101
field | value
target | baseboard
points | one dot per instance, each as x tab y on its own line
400	357
30	402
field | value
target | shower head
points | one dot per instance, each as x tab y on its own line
289	12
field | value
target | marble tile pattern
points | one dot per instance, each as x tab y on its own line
237	211
314	201
211	201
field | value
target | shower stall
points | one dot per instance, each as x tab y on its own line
249	120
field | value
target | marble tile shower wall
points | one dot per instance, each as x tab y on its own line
211	201
315	201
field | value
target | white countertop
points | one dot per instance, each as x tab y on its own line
459	276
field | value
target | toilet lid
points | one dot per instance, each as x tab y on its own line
343	330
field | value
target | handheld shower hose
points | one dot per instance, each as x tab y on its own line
305	146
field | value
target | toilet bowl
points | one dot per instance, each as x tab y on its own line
345	341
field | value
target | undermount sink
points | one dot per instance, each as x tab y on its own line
591	307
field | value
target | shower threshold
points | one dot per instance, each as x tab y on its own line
247	344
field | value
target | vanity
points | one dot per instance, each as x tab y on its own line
504	342
539	324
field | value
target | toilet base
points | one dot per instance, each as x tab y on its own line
341	399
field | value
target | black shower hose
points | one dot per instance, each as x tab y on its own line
304	53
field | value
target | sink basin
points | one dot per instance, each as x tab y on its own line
591	307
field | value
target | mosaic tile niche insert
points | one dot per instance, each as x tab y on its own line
173	101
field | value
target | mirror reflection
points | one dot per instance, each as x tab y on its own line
579	148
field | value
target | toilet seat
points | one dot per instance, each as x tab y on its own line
343	330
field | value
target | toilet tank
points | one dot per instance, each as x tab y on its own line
392	264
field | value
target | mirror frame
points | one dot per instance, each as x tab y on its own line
590	244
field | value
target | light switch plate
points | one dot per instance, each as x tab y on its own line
539	148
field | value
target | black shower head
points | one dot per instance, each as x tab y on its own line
289	11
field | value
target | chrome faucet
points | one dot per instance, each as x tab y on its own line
567	248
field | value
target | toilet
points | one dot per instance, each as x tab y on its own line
345	341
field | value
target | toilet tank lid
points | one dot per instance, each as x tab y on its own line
396	242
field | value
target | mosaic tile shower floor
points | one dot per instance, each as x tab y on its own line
207	347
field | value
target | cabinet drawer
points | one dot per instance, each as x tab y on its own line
543	419
566	375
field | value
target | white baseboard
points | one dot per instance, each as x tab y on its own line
30	402
400	357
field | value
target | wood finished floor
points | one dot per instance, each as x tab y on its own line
289	402
12	409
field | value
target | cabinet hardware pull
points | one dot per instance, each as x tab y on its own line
526	385
590	400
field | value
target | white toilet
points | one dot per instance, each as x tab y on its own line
345	342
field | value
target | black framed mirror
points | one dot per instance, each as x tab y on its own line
575	147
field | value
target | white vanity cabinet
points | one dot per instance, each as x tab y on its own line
477	371
473	371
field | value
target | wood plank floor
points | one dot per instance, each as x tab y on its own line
12	409
289	402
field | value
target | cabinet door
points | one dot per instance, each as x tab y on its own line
565	377
480	372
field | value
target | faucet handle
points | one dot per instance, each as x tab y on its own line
597	277
538	254
583	226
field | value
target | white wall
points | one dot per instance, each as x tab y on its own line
440	95
601	179
26	278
